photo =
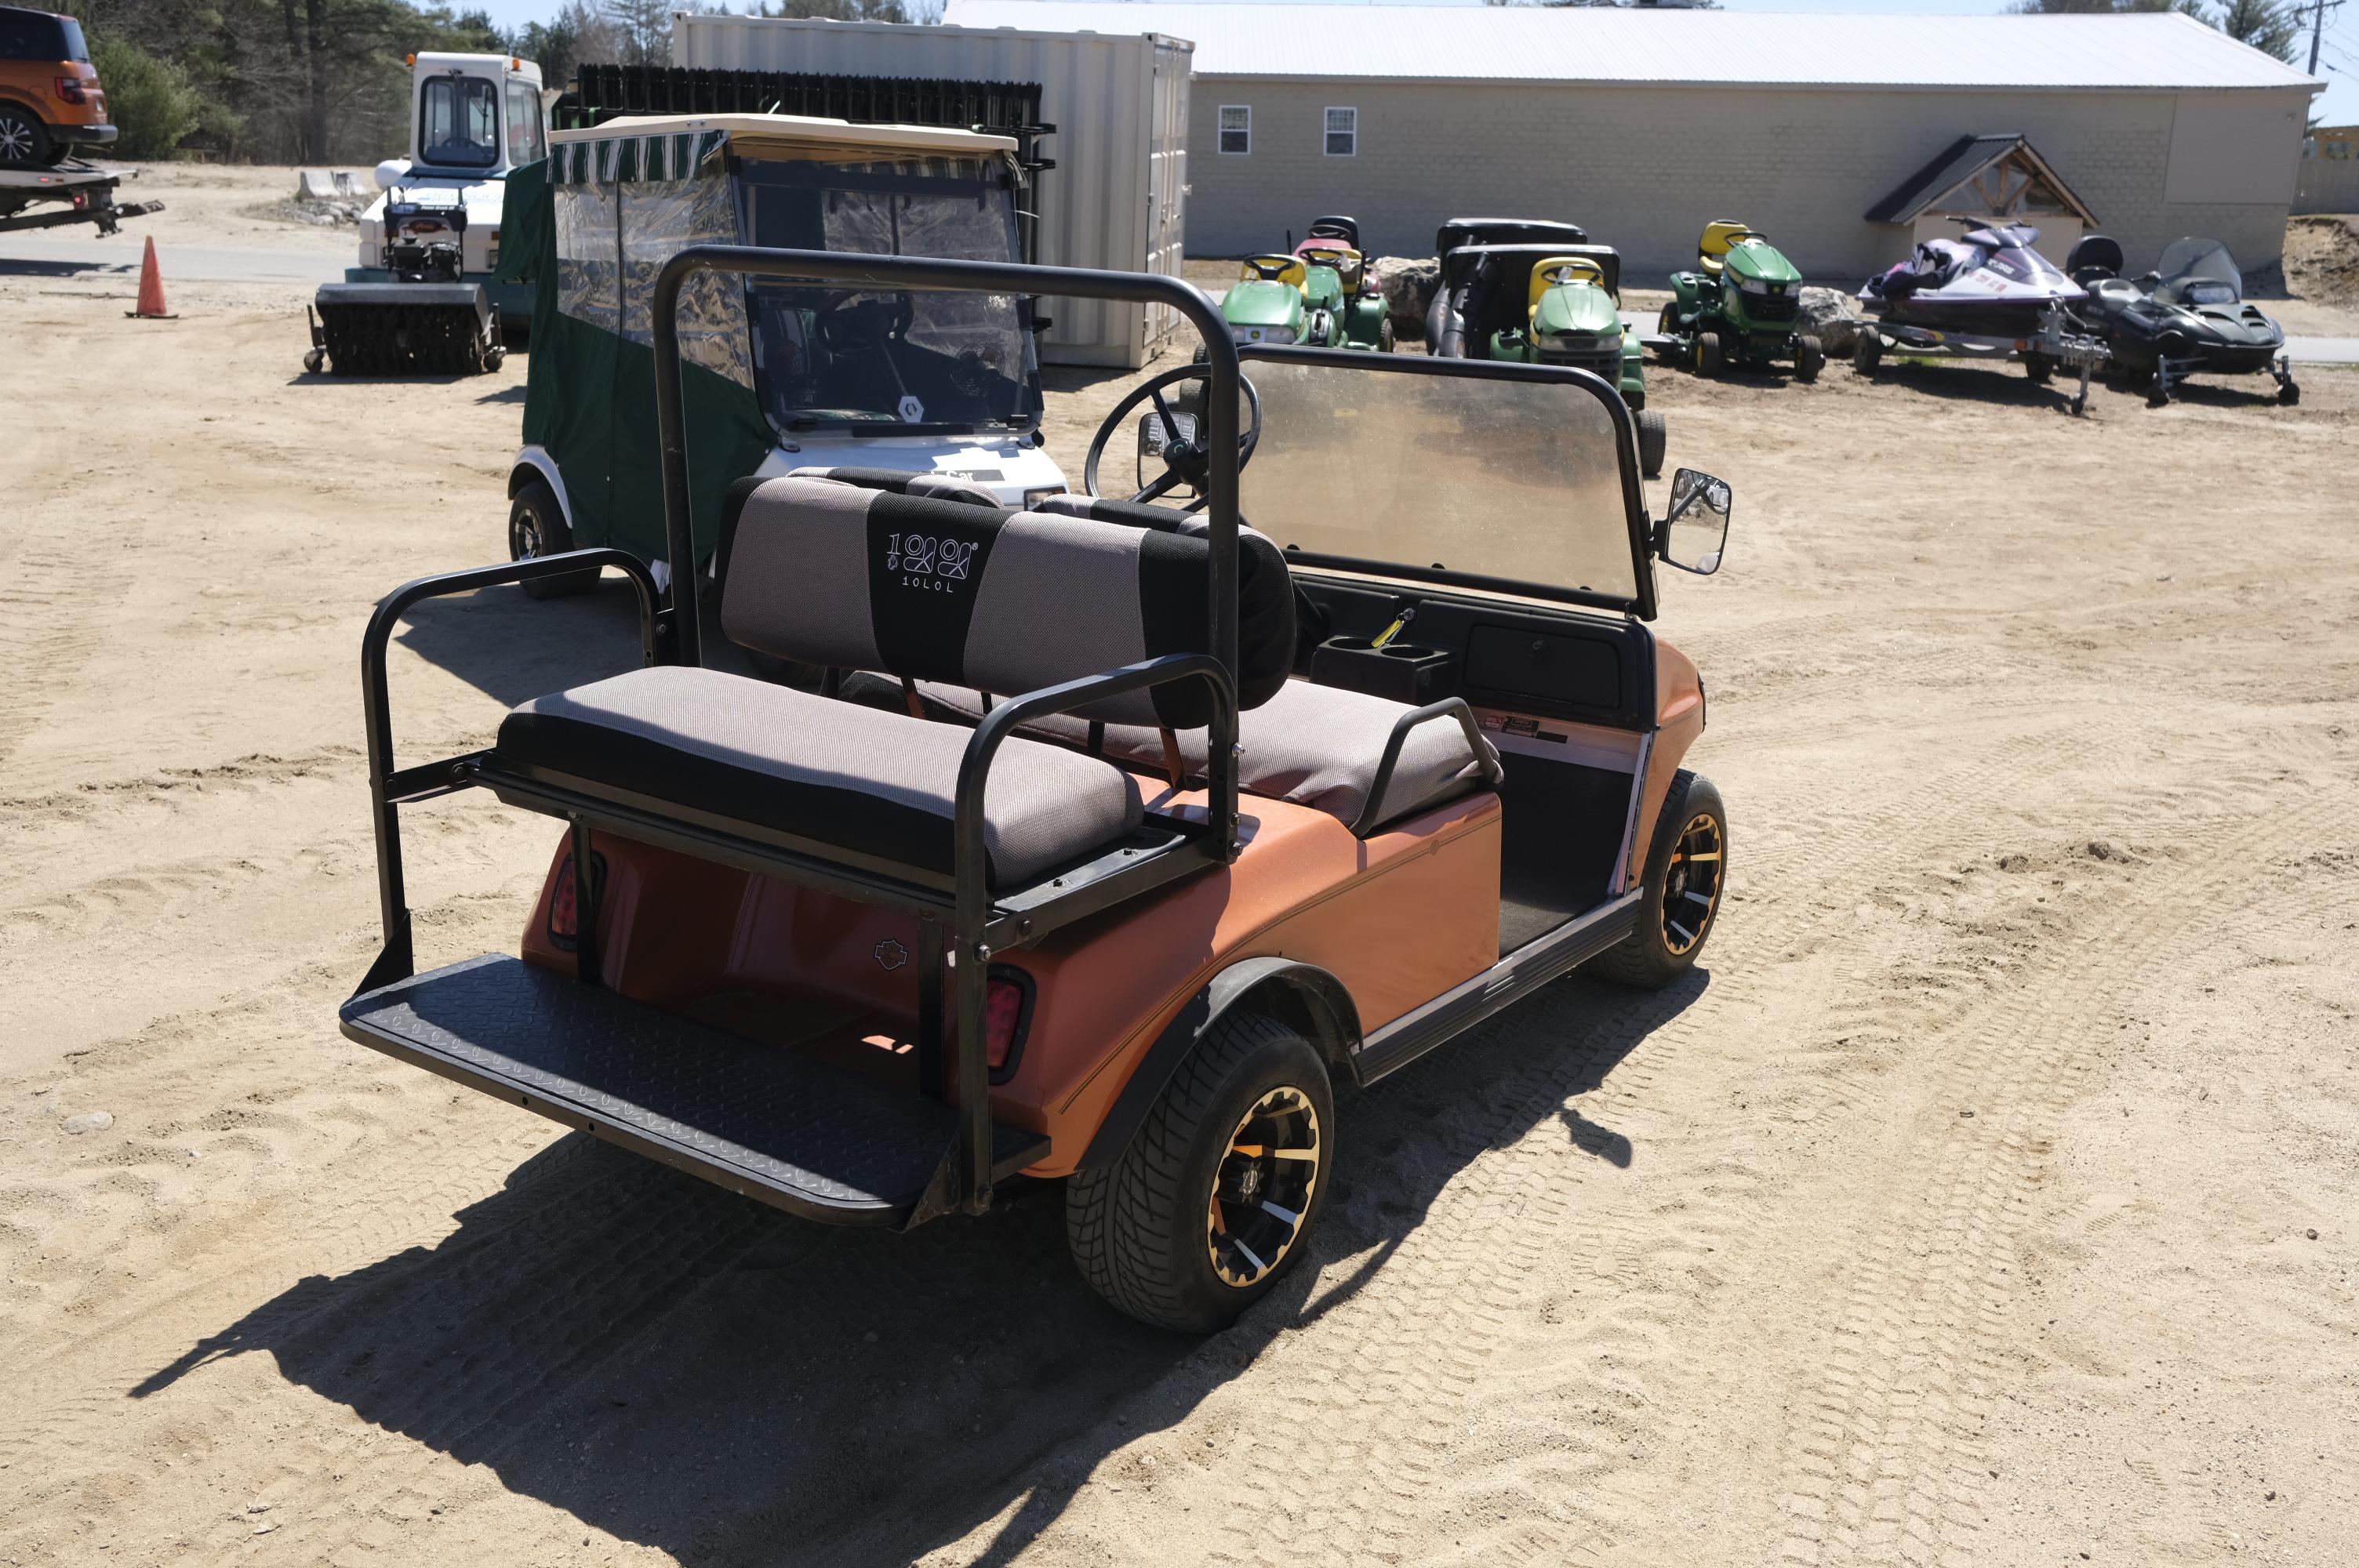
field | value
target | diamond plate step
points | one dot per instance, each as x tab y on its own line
758	1120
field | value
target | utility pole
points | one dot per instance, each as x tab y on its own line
2317	27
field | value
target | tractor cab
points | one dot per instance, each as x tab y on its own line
1093	843
473	118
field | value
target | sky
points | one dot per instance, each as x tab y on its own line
2338	61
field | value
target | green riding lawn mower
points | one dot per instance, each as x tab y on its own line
1538	293
1314	298
1738	309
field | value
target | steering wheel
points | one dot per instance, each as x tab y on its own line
1270	268
1578	270
1185	460
850	323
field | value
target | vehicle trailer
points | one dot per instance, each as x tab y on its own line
884	950
81	193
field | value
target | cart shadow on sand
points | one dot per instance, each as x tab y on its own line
684	1368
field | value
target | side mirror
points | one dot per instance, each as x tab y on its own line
1692	535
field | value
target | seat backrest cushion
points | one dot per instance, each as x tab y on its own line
1008	602
1269	604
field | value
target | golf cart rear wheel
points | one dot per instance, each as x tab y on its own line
1708	357
1687	872
536	528
1653	437
1809	358
1213	1201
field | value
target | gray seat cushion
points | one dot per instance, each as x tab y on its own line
1314	745
875	784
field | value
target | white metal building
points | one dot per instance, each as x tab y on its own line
1119	102
1644	125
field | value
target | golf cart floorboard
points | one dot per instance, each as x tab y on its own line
758	1120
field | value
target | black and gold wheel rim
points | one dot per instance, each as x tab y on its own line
1691	883
1263	1189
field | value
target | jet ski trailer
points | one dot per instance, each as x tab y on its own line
1989	295
85	192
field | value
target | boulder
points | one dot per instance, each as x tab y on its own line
1827	314
1407	283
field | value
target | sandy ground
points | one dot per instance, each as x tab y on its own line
1986	1199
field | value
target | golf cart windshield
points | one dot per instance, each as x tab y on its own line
458	123
1497	478
887	359
2200	272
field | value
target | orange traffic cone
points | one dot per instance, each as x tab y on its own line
151	288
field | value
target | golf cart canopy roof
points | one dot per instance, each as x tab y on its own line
1513	481
671	145
1517	261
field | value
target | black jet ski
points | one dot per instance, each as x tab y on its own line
1990	284
2187	317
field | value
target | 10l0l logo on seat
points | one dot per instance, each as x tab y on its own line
926	562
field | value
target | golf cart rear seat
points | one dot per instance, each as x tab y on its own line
855	577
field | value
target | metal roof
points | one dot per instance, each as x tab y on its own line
798	130
1438	43
1966	158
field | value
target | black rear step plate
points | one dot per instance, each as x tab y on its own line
759	1119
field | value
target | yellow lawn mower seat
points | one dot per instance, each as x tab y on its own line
840	575
1712	249
1559	270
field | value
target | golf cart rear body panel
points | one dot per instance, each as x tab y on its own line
832	980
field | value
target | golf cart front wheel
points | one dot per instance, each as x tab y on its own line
1212	1203
1653	436
1687	873
1809	358
537	527
1710	360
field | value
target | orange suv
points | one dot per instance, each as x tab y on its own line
49	97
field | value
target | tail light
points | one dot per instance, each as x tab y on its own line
1006	1014
565	903
75	89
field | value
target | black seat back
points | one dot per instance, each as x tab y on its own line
2094	256
930	589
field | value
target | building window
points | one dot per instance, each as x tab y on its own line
1343	133
1236	128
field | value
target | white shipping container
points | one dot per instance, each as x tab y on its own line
1117	196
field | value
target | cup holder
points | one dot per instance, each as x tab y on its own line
1401	672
